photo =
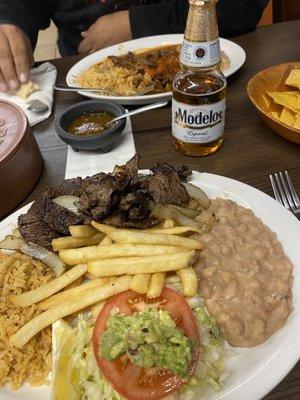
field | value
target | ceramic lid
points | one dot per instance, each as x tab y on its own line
13	126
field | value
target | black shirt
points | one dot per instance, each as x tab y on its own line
147	17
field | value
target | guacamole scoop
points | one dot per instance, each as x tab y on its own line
149	338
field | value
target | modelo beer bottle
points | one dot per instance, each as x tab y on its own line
199	89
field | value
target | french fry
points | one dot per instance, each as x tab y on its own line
107	229
130	236
140	283
70	242
176	230
31	328
96	308
145	264
42	292
105	241
91	277
157	283
75	283
69	295
189	281
90	253
79	231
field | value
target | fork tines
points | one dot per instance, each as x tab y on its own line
285	192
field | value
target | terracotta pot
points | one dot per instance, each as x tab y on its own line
20	157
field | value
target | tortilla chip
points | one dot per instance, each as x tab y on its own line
266	102
287	116
297	122
294	78
276	114
26	90
290	100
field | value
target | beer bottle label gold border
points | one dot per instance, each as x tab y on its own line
200	54
198	123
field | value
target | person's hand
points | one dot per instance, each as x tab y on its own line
107	30
16	57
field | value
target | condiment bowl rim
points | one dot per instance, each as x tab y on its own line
62	132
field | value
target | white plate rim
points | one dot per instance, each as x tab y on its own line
235	52
286	355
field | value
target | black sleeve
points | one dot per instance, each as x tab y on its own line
169	16
28	15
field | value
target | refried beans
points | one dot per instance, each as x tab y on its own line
244	276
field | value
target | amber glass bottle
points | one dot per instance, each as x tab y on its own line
199	89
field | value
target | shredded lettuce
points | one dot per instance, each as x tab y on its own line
92	385
211	369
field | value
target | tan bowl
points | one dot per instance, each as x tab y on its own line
273	79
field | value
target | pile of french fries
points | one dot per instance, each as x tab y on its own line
105	261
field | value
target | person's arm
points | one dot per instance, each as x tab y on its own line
28	15
169	16
20	22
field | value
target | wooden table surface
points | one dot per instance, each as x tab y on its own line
251	151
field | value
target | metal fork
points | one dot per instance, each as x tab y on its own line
285	193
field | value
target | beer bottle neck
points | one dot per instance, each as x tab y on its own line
201	45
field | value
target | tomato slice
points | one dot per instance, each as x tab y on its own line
129	380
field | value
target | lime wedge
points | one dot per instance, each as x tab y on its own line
64	382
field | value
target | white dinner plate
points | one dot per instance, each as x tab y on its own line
235	53
253	372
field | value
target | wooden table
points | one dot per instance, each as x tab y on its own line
250	151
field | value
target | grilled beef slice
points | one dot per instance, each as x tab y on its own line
59	218
100	194
71	187
164	185
34	230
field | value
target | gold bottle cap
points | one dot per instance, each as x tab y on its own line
201	2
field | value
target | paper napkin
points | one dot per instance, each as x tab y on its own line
87	163
44	76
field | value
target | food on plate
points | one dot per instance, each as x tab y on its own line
94	377
122	198
33	296
140	283
90	124
142	301
245	278
138	265
20	273
156	285
49	258
26	89
70	242
137	71
89	253
82	230
46	318
71	293
143	237
286	104
189	281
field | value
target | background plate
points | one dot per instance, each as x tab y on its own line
235	53
253	372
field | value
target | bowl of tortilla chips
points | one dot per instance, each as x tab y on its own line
275	92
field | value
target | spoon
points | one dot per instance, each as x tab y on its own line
104	92
137	111
37	106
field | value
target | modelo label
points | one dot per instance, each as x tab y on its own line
198	124
195	54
